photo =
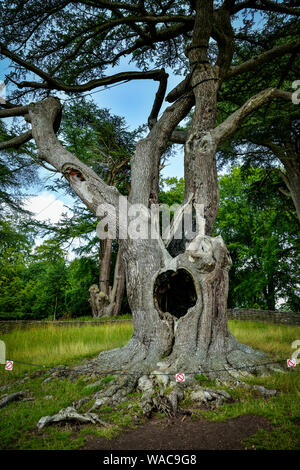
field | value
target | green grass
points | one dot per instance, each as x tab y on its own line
283	410
274	339
52	345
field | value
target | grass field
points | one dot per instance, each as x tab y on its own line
52	345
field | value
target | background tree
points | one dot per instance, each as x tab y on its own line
68	46
17	172
81	273
261	232
14	251
269	137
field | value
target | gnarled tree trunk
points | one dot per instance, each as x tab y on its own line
292	179
178	299
177	290
106	300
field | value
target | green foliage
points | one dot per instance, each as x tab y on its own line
49	251
174	193
40	284
261	232
46	290
82	273
14	255
17	172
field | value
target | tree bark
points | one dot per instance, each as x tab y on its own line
292	180
104	299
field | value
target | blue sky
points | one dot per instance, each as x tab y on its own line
133	101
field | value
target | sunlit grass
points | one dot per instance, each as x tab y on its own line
283	410
53	345
274	339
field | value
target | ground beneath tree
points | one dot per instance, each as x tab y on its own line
184	434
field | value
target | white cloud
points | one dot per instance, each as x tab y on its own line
46	207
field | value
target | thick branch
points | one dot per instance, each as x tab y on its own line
179	90
185	85
17	141
145	164
202	27
178	137
83	180
224	35
159	97
105	81
267	56
230	124
11	112
109	5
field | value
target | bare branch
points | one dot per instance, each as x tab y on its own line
83	180
16	142
265	5
159	97
11	112
178	91
178	137
267	56
230	124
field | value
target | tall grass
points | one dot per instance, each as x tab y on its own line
52	345
274	339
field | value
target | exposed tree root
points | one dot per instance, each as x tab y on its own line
70	414
157	381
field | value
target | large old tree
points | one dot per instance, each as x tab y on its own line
177	289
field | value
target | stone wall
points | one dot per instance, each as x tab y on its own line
285	318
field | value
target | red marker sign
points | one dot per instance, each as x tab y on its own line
180	378
292	362
9	365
